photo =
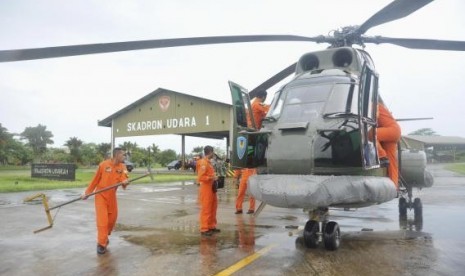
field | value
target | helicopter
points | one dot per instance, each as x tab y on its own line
337	149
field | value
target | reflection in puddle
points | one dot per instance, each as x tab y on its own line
288	217
163	241
158	189
246	234
372	253
411	224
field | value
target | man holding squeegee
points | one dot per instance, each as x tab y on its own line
109	172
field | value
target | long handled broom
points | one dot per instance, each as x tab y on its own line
48	209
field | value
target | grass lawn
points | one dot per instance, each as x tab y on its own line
19	180
456	167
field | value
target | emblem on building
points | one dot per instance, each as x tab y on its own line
164	103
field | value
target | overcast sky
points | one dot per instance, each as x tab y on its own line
69	95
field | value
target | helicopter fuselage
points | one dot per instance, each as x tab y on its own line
318	135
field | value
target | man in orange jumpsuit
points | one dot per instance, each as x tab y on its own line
259	108
388	135
110	172
245	174
208	198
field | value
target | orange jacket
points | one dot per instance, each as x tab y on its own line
107	174
206	172
388	128
259	110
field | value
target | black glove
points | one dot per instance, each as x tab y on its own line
215	186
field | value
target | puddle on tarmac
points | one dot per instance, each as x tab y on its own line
288	217
167	241
177	214
124	227
373	252
158	189
5	202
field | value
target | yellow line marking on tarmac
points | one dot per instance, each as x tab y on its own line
246	261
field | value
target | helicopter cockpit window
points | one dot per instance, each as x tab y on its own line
343	100
276	106
300	103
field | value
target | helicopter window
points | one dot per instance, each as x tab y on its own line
343	100
369	101
276	107
303	102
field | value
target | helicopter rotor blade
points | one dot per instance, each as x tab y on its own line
273	80
414	119
414	43
395	10
86	49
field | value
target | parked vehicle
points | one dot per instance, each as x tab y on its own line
129	165
176	164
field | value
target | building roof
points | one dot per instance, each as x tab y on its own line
437	140
108	120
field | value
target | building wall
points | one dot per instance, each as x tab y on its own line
172	113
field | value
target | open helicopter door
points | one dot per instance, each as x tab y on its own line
248	144
368	105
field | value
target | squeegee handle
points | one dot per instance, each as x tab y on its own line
97	192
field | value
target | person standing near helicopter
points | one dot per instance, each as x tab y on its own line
208	198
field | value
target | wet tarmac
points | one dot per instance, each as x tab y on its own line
157	234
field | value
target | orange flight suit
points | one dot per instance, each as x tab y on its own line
236	175
106	206
208	199
388	134
259	111
246	173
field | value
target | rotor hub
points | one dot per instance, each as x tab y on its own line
347	36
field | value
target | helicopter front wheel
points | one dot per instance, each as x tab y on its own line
418	209
311	234
403	207
332	236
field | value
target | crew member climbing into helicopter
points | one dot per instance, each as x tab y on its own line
259	111
388	135
259	108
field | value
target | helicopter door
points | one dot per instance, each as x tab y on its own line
248	145
369	93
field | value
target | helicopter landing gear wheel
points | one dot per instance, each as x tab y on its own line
418	209
402	207
332	236
311	234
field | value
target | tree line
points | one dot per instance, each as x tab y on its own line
34	145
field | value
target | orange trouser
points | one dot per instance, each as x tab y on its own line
106	211
387	147
246	173
208	206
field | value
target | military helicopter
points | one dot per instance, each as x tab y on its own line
314	150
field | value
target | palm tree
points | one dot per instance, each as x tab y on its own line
103	150
74	145
37	138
